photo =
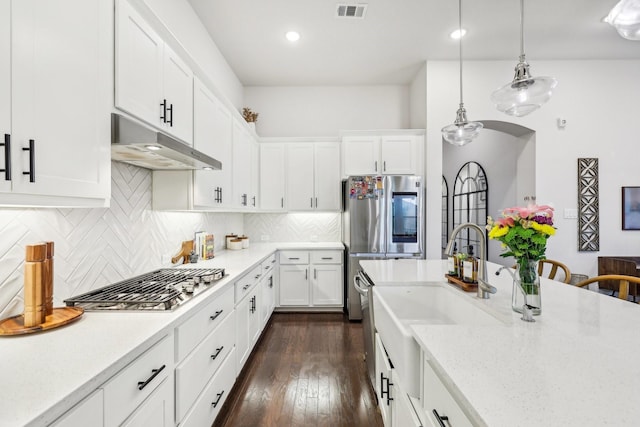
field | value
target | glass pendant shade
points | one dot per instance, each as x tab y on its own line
625	18
524	94
461	132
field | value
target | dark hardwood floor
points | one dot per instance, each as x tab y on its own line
307	370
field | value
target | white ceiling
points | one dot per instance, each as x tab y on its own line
390	45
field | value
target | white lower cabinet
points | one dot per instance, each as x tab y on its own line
208	405
155	410
438	404
248	319
268	289
311	279
89	412
128	391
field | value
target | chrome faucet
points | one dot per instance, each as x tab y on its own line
527	314
484	288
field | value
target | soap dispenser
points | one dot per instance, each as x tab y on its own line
470	267
452	261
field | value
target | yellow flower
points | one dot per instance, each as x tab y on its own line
498	231
547	229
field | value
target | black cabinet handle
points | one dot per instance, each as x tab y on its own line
218	350
163	116
441	418
384	379
245	287
216	314
32	160
218	399
154	373
327	257
170	110
271	282
7	157
294	257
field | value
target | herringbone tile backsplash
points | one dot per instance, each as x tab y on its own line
96	247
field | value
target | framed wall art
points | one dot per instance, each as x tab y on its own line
631	208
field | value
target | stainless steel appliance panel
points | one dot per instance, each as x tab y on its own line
353	297
365	204
363	286
404	216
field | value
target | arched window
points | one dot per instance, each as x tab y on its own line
445	213
470	203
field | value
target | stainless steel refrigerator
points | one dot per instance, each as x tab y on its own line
383	218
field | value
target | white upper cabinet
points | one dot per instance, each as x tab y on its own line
382	155
55	100
241	166
313	176
272	176
212	134
152	82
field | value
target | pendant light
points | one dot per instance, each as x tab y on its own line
625	18
462	131
525	93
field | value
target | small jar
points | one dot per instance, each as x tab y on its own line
245	241
228	238
235	244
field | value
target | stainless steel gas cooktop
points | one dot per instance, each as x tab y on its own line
163	289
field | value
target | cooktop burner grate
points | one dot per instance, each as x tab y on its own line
162	289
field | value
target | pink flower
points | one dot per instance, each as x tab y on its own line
529	211
505	222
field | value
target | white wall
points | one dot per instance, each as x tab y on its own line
325	110
599	100
418	100
294	227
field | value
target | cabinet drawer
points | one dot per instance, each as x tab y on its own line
87	412
294	257
247	282
437	397
326	257
196	370
192	331
208	405
129	388
268	264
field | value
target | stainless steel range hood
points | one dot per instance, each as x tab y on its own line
136	144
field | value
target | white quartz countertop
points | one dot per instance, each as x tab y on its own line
43	375
577	365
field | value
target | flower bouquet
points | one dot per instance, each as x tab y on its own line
523	232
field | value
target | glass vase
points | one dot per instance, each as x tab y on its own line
526	287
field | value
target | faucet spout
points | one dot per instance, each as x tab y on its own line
484	288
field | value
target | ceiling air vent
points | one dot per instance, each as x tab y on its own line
356	11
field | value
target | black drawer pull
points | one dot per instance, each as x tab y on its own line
327	257
7	157
441	418
32	160
218	350
163	116
245	287
218	399
294	258
216	314
170	110
154	373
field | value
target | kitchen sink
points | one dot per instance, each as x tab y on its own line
398	307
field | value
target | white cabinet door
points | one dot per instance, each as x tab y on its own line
178	94
300	176
268	298
157	410
139	53
5	93
272	176
399	155
404	413
255	317
438	398
241	165
243	348
294	285
61	97
254	184
383	385
212	134
327	176
326	284
361	155
89	412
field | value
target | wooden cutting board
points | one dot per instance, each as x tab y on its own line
61	316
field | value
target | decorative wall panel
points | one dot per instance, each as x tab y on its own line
588	205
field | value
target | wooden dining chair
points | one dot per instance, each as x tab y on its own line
623	282
555	266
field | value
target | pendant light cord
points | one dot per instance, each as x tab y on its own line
521	30
460	44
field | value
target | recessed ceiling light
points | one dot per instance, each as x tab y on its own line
292	36
152	147
458	34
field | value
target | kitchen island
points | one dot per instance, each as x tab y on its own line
575	366
43	375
